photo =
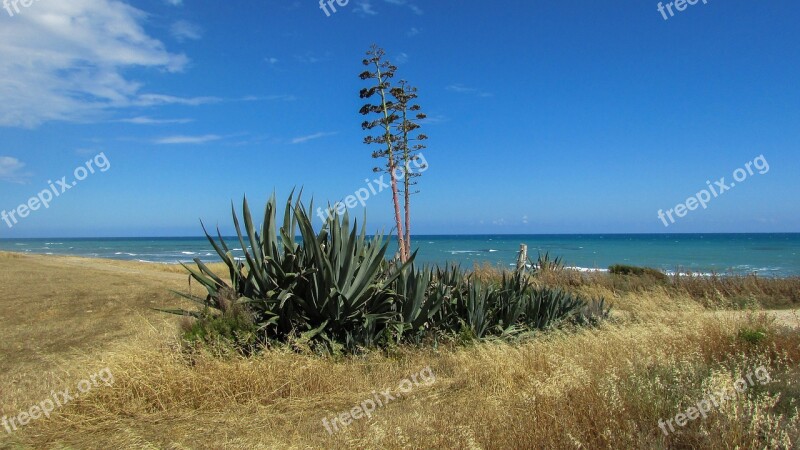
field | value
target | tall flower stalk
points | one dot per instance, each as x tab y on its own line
409	145
381	71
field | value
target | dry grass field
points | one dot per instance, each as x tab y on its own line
62	319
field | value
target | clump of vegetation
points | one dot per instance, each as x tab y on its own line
335	289
544	264
231	327
752	335
621	269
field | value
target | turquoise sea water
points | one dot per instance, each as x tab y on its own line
764	254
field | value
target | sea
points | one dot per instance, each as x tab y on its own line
767	255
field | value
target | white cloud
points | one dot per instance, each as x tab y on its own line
435	118
461	89
183	30
160	99
144	120
67	61
11	170
364	8
402	58
413	32
311	58
180	140
175	2
304	139
414	8
269	98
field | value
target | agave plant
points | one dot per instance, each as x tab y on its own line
546	264
548	307
417	308
593	312
330	287
335	289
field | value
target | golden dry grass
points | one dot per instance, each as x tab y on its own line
595	388
739	292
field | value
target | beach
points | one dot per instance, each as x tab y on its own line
63	318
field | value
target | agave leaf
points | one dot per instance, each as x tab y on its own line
200	301
180	312
204	269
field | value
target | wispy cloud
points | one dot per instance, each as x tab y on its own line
435	118
269	98
311	137
182	140
71	61
144	120
413	32
414	8
11	170
161	99
462	89
311	58
365	8
183	30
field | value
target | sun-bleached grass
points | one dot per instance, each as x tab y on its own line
586	388
598	388
729	292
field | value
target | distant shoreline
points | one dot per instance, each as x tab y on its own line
768	255
422	236
177	265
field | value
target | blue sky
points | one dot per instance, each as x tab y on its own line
546	117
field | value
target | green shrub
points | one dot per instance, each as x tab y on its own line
545	264
752	335
621	269
230	328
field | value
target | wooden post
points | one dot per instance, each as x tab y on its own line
523	256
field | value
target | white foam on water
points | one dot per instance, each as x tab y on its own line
586	269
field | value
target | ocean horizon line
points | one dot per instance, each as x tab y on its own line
738	233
